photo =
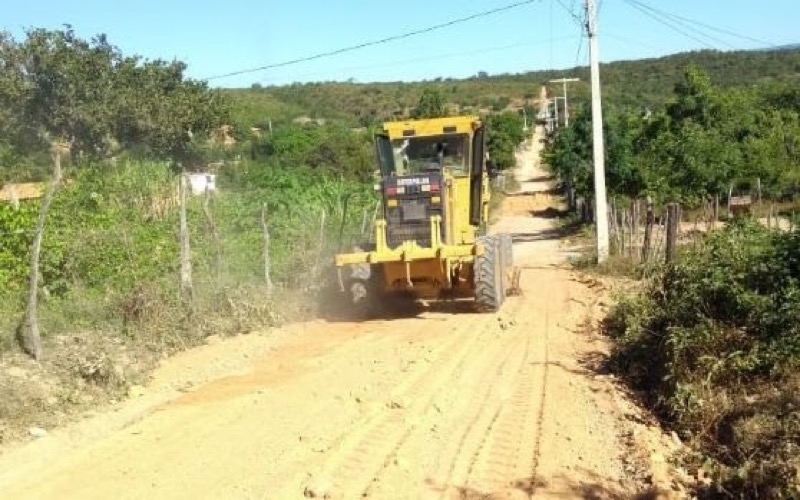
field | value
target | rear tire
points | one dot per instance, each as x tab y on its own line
363	288
488	275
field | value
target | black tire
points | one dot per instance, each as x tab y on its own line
362	287
487	272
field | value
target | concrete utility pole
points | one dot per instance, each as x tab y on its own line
565	81
555	112
600	213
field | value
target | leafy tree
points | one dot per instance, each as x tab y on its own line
329	148
56	86
569	155
431	105
165	126
505	132
702	142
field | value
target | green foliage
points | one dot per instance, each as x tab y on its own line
55	86
505	132
431	105
329	148
714	343
703	141
15	231
18	167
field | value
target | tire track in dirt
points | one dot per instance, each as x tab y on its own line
476	409
366	447
357	467
509	461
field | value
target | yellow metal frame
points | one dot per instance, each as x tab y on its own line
456	252
409	251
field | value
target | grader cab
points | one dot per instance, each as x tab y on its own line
429	241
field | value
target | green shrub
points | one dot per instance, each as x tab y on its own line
714	345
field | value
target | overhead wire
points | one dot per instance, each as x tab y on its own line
680	21
371	43
571	11
430	58
584	30
705	25
668	24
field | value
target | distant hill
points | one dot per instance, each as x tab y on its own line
638	83
793	46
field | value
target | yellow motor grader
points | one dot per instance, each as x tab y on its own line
429	240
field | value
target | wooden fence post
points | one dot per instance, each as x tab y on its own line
29	335
364	221
265	229
760	197
345	208
637	214
648	230
321	239
716	212
186	256
730	195
673	219
212	228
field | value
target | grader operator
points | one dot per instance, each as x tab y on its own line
430	240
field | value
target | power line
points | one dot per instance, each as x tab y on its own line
375	42
435	57
579	51
575	17
584	25
668	24
682	22
707	26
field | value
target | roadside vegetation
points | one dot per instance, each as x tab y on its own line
705	141
711	341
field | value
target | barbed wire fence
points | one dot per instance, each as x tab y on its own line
211	258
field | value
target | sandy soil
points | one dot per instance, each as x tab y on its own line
444	403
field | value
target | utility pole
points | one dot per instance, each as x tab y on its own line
555	112
565	81
600	213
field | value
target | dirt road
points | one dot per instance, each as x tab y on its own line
444	404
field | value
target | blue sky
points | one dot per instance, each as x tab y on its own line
220	37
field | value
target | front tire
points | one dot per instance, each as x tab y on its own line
487	275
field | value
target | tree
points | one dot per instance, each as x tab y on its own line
504	132
431	105
55	86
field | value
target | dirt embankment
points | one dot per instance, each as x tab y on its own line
440	403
